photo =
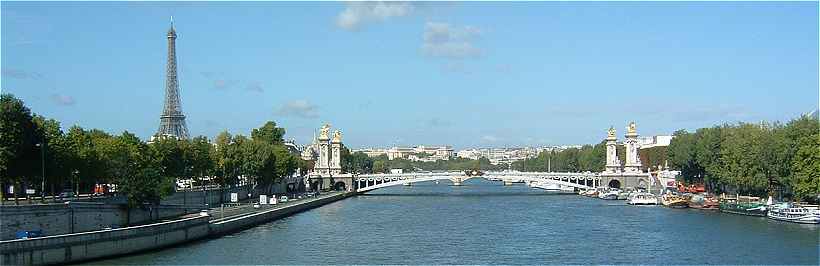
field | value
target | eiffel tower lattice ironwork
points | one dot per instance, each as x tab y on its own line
172	121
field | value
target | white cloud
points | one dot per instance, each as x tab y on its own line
356	14
20	74
298	108
490	138
437	122
224	83
255	86
64	100
448	41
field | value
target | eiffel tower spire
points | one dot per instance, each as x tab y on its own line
172	121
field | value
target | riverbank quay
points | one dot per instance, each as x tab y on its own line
76	216
226	223
77	247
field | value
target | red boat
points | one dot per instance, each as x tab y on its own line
694	188
704	202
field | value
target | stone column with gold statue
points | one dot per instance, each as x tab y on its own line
613	164
336	153
322	166
633	163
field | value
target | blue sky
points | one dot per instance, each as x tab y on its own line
462	73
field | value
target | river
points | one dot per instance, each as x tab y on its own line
484	222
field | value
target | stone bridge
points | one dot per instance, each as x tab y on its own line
368	182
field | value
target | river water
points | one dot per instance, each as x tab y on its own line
484	222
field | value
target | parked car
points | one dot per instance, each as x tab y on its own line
66	194
29	234
283	199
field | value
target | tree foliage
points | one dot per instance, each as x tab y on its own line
751	158
145	172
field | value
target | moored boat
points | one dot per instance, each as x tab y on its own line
552	187
742	205
595	192
642	198
591	193
611	194
674	201
704	202
804	214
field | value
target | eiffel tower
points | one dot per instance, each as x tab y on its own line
172	121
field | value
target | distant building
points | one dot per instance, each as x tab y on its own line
654	141
372	152
498	156
471	154
417	153
292	147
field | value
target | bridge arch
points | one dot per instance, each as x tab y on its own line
614	183
340	186
576	180
370	183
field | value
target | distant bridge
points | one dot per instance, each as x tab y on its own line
368	182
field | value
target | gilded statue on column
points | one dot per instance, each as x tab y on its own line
337	136
324	133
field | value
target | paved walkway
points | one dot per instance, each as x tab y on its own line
230	211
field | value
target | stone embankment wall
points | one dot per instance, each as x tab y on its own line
57	219
77	247
242	222
98	244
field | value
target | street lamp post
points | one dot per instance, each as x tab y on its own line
76	182
549	163
42	146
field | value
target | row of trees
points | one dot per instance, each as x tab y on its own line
755	159
359	162
145	172
587	158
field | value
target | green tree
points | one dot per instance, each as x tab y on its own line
199	157
806	168
19	158
170	154
129	162
357	162
380	166
84	162
794	136
742	158
268	133
56	155
681	154
708	147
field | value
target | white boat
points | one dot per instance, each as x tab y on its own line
595	192
552	187
806	214
546	186
611	194
642	198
